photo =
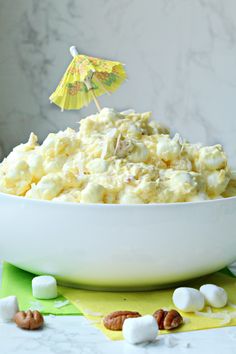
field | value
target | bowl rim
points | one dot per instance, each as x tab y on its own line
104	205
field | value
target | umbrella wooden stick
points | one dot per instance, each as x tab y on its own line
87	81
95	100
89	86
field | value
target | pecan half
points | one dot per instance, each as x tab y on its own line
123	148
114	321
168	319
29	320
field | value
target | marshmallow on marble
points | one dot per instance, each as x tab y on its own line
214	295
44	287
188	299
8	308
140	329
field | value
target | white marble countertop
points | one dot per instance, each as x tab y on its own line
74	334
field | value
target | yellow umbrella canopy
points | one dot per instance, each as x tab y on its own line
85	79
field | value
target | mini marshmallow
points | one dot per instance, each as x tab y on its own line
8	308
44	287
188	299
140	329
214	295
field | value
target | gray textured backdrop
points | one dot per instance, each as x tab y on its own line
180	57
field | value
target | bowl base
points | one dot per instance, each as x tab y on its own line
127	288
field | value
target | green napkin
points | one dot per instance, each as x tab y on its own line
18	282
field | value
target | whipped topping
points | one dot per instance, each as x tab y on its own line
120	158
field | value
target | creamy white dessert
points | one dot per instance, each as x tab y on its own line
118	158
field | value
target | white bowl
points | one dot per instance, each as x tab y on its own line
118	246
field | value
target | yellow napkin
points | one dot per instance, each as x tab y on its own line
95	305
